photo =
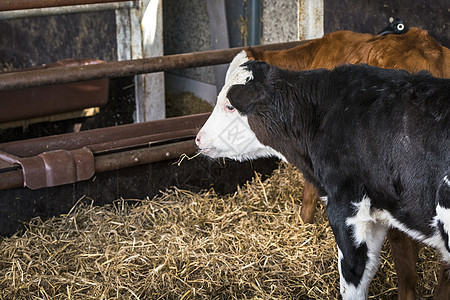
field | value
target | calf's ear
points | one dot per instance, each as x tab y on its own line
255	93
244	98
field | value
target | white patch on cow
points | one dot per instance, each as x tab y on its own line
227	133
238	60
324	199
447	182
348	290
443	216
366	229
362	222
385	216
436	241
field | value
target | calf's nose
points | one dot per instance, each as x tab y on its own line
197	139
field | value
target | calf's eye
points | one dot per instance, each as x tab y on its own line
229	107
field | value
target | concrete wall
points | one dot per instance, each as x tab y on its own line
34	41
280	19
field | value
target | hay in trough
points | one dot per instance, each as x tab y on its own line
180	245
185	103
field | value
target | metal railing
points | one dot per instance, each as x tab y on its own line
7	5
12	80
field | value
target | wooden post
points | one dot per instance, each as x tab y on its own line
310	19
139	35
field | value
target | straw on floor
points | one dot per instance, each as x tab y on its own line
248	245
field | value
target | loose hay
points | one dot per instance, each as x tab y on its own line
180	245
185	103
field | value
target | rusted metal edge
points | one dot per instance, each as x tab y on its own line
52	168
57	167
87	112
53	99
137	157
141	141
6	5
8	157
63	10
26	79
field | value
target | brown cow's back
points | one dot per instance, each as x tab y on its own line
326	52
412	51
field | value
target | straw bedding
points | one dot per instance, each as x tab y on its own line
185	103
248	245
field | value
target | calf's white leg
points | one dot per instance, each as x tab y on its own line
359	238
442	218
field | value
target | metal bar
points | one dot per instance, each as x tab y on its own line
6	5
219	36
11	180
57	167
38	12
114	147
60	75
254	35
141	141
8	157
131	158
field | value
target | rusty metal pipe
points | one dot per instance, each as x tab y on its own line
6	5
142	141
74	9
137	157
60	75
11	180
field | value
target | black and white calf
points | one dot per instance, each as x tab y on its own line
377	141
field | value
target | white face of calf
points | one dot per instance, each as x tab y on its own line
227	133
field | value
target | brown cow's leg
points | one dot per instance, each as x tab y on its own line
310	197
405	254
442	290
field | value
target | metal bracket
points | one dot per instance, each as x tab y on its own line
56	167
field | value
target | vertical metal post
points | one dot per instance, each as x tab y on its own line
254	17
219	36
